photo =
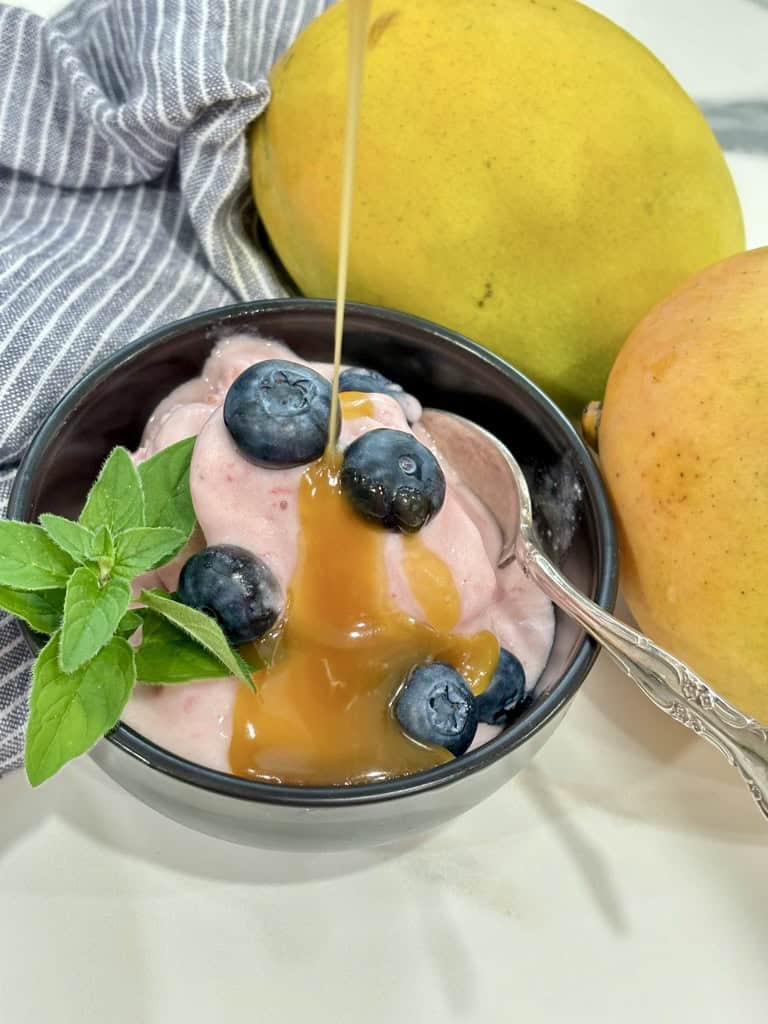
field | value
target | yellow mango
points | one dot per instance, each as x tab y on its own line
684	451
528	174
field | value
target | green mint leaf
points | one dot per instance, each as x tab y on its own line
169	655
116	499
129	623
91	615
29	559
165	477
42	610
143	549
71	537
200	627
103	552
255	664
69	712
103	545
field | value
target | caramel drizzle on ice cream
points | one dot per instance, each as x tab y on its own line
322	714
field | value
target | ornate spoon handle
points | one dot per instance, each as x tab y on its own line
669	683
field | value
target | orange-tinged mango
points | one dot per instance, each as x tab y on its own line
684	451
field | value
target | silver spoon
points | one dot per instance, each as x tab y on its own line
488	468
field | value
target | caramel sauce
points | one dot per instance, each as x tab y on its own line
358	12
355	404
322	713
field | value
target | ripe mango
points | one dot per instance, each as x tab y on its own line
684	450
528	174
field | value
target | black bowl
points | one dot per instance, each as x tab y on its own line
111	405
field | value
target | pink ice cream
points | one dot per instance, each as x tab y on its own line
255	508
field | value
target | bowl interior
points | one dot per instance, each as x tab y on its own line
442	369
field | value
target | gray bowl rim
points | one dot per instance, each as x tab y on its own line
530	722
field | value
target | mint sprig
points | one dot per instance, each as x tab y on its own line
116	500
165	478
71	537
42	609
30	560
72	580
70	711
202	628
92	611
145	548
168	655
128	625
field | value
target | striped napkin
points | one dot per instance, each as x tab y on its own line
123	199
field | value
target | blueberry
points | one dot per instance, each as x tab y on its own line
235	587
504	693
392	479
277	413
358	378
436	706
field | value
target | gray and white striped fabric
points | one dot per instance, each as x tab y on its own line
123	195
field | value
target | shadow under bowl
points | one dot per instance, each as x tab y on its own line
111	405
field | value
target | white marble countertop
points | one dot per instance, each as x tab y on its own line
621	877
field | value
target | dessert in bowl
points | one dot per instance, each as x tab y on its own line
254	768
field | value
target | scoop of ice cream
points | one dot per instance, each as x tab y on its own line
257	508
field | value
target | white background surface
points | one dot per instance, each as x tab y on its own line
621	878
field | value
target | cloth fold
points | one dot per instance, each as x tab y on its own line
124	201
